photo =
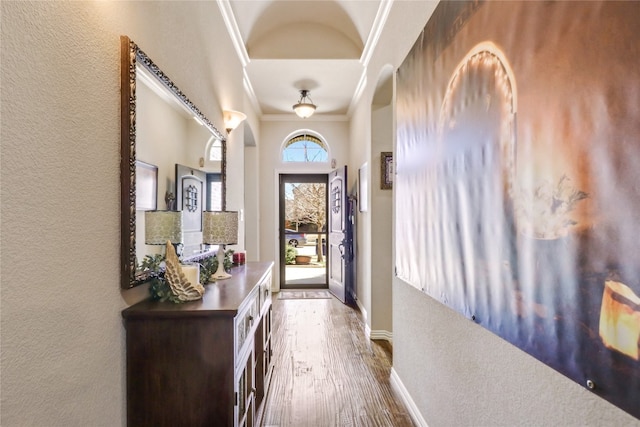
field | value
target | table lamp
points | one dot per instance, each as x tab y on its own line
220	228
160	226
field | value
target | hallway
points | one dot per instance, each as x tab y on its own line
326	372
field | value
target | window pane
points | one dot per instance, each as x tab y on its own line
215	152
304	151
214	184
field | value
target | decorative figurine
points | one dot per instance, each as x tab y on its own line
180	285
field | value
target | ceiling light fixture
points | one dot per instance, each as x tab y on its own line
232	119
305	107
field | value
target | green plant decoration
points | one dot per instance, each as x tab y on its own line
153	264
159	289
208	266
290	255
228	259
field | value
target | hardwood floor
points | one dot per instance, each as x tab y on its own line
326	372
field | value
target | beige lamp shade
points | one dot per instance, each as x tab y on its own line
220	227
160	226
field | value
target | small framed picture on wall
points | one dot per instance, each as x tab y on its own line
386	170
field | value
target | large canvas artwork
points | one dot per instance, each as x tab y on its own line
518	179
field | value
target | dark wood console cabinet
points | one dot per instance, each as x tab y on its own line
202	363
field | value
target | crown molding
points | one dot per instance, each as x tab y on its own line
369	48
376	31
248	88
234	32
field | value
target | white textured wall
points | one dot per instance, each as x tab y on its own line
62	339
235	182
381	208
252	203
359	154
252	194
62	343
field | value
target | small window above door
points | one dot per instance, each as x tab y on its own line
305	149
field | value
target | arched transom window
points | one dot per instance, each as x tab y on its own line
215	152
305	148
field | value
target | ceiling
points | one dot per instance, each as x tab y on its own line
287	45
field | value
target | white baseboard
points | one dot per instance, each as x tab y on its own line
373	335
381	335
398	387
363	312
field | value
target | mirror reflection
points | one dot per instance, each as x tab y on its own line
176	160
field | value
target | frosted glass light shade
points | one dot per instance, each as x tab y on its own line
232	119
220	227
304	110
160	226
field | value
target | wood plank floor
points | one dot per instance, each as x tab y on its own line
326	372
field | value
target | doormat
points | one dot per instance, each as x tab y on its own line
311	294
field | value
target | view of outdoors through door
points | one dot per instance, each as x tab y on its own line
303	236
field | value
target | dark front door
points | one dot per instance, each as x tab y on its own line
303	231
337	225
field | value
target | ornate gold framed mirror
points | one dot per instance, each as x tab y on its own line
134	64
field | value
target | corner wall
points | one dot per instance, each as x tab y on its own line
381	227
455	372
63	340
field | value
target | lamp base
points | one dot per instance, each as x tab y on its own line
220	272
217	276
